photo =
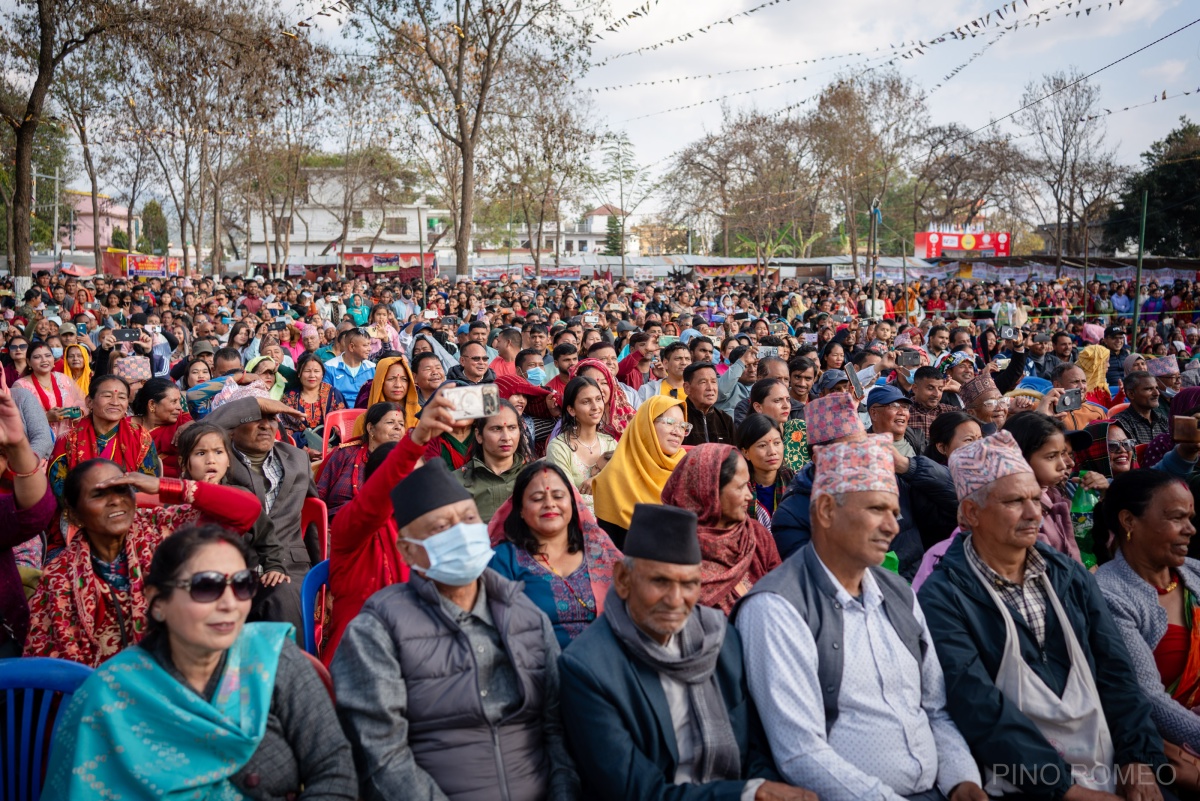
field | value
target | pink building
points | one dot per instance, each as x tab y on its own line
112	217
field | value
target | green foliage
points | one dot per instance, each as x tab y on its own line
1172	179
154	226
51	150
120	239
614	239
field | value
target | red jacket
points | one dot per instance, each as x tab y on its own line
363	557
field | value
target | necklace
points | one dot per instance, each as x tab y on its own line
1170	588
590	448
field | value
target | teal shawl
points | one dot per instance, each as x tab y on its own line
133	731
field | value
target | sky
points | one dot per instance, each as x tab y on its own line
987	88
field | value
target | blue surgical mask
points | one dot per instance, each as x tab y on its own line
637	304
535	376
1170	393
458	555
57	352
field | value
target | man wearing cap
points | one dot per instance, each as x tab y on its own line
838	656
448	684
1166	370
1041	361
1114	340
1036	667
831	381
654	695
888	409
981	399
1146	416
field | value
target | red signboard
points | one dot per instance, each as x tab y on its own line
984	244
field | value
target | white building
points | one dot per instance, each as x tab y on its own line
586	236
371	217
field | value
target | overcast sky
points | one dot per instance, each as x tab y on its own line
990	87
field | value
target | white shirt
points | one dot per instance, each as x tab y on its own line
893	736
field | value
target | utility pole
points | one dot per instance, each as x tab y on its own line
1137	290
57	247
873	252
421	250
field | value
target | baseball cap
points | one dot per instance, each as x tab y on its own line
202	347
888	393
1041	337
1114	331
464	329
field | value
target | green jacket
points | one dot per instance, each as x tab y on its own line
489	490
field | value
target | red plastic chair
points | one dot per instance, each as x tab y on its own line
314	512
341	421
1114	411
323	675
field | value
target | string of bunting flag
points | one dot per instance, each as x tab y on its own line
624	21
1157	99
706	76
889	59
950	75
325	11
966	30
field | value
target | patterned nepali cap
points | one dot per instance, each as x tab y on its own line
133	369
1163	366
866	465
950	361
977	387
979	463
832	417
233	391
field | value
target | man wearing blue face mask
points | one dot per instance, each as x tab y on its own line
422	726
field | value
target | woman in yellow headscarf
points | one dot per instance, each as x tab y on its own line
1093	360
393	383
647	453
77	366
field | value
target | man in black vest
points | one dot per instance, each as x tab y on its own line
837	653
674	670
421	726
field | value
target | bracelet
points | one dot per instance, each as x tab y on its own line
41	468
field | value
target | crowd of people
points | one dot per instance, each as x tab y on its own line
810	540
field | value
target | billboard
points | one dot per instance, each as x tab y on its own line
981	244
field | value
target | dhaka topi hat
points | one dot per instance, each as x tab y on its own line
865	465
979	463
832	417
663	534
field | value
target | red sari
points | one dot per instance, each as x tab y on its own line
164	442
76	615
733	558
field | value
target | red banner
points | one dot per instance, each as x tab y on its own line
139	266
985	244
113	263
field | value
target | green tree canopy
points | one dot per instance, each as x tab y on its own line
1172	180
154	229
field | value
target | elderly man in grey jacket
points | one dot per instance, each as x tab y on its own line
448	685
281	476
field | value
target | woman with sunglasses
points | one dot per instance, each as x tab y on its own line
239	703
91	600
645	457
16	360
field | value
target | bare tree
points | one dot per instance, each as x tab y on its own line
1064	143
446	56
622	183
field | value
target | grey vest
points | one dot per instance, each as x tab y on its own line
448	733
803	583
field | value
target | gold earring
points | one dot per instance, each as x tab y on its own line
1129	535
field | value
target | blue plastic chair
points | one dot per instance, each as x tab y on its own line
316	581
30	686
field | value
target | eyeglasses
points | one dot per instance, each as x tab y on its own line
265	372
994	403
476	358
1122	445
208	586
18	347
671	422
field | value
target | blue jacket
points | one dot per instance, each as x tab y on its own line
338	376
926	493
619	728
968	634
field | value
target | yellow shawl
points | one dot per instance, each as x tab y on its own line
84	379
639	469
412	405
1093	360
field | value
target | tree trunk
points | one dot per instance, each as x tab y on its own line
21	267
462	236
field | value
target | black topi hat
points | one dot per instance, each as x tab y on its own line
664	534
430	487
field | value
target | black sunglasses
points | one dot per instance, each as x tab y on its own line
209	586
